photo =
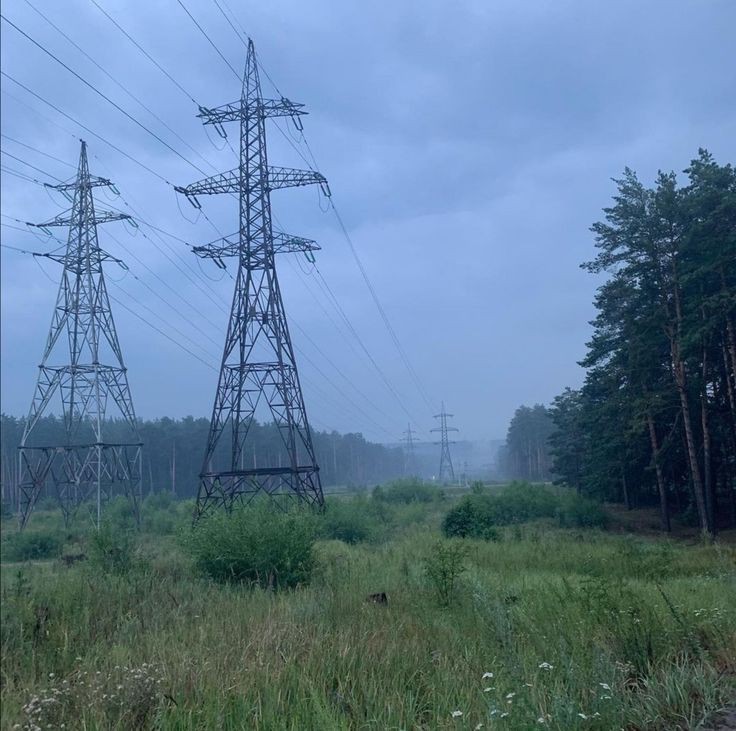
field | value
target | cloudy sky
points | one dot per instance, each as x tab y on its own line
469	146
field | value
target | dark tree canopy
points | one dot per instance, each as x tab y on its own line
656	417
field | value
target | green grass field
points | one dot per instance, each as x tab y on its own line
545	628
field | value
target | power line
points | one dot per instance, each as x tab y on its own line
380	308
35	149
181	88
161	332
202	31
103	95
84	127
384	317
33	167
116	82
143	51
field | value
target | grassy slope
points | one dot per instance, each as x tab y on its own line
653	621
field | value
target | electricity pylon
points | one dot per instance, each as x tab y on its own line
446	467
258	366
83	364
410	467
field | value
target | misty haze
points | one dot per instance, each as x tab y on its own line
368	367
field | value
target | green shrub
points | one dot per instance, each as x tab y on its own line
112	548
32	545
575	511
476	515
161	514
258	544
350	521
470	519
477	487
443	567
119	514
408	490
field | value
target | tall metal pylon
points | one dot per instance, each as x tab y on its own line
82	363
258	366
410	465
446	468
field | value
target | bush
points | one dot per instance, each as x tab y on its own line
575	511
161	514
409	490
443	568
351	521
111	548
32	545
258	544
119	514
470	519
476	515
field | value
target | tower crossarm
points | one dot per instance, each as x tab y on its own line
72	261
292	178
229	182
283	243
237	111
93	181
66	219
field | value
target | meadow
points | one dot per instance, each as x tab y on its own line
544	622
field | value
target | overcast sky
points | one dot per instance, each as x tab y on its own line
469	146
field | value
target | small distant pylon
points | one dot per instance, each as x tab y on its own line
87	373
410	464
446	468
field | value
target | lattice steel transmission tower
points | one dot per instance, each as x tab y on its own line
410	464
83	365
446	467
258	375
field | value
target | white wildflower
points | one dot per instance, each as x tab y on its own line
489	689
583	716
605	686
486	675
456	714
546	666
503	715
510	695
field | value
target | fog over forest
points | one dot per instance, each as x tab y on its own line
468	154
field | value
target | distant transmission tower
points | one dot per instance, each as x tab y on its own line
446	468
83	364
410	466
258	365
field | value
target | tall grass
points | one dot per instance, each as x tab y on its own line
579	629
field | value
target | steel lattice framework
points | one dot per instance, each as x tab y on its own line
446	468
83	365
410	466
258	368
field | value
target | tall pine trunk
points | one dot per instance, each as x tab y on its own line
708	485
692	455
680	373
664	510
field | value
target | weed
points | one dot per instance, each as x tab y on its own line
443	567
259	545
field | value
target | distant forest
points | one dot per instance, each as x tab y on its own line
174	449
655	420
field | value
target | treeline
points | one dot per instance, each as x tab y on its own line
526	455
174	448
655	421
